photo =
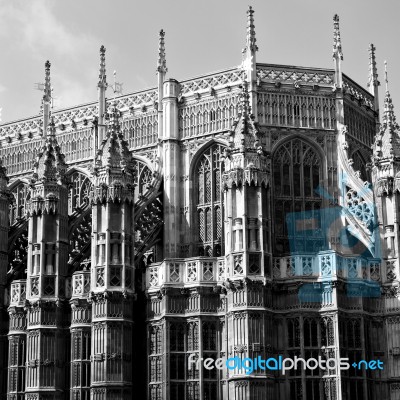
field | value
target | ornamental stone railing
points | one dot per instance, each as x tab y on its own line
327	266
186	272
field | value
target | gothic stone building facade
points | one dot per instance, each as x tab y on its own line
250	212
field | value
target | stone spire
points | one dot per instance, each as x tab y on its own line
251	33
161	72
337	51
373	84
114	158
389	118
101	91
249	64
387	143
50	164
46	97
373	73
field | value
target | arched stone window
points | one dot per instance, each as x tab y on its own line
209	202
18	204
143	178
297	174
79	191
359	165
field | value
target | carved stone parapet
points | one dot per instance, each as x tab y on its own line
239	176
384	186
79	303
39	205
12	310
17	319
116	192
111	295
233	177
45	304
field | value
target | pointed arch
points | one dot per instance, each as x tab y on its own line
203	148
359	165
144	176
80	188
206	173
298	170
20	194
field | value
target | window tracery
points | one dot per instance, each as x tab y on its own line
79	192
184	342
143	178
307	111
156	362
80	237
306	336
80	361
17	257
19	198
359	165
297	174
350	331
210	116
209	202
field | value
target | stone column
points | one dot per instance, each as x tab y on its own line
172	168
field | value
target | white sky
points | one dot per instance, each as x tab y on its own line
201	37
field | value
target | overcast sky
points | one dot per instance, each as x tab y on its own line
201	37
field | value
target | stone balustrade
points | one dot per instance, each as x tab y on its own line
323	266
186	272
327	265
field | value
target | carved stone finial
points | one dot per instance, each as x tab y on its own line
389	119
251	33
337	43
161	62
102	70
47	85
52	128
244	105
113	118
